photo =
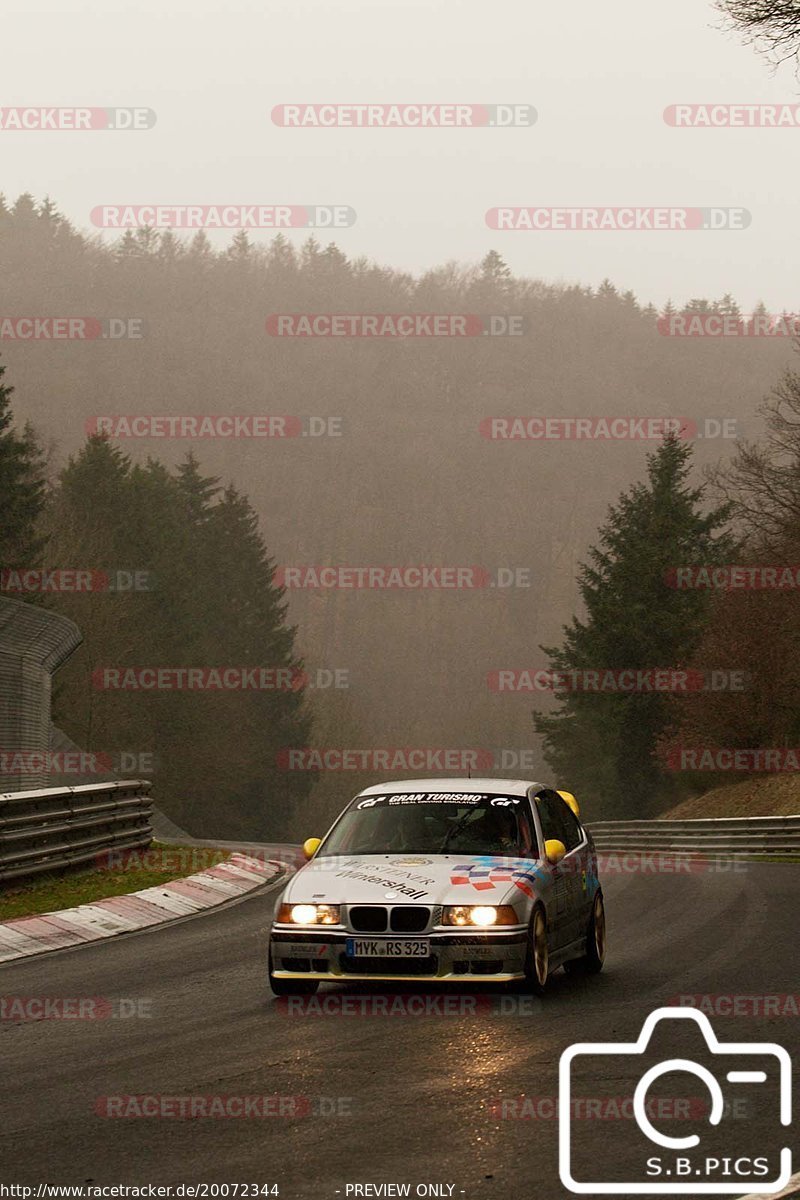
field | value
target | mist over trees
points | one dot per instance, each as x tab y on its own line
605	742
22	487
754	630
204	597
408	477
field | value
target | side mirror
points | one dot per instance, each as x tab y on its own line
569	799
311	846
554	850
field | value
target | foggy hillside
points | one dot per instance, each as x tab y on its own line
410	480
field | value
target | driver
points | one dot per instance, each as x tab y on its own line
494	832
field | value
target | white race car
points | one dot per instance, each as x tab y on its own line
443	880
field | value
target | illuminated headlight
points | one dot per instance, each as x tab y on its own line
308	914
479	914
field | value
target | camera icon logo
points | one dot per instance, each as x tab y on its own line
682	1165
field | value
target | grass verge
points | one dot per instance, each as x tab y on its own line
114	874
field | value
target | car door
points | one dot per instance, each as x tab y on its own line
547	806
576	866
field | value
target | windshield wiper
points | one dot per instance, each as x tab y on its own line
454	829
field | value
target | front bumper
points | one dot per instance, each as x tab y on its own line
455	956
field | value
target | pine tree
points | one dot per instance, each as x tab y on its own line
22	488
240	248
495	270
604	743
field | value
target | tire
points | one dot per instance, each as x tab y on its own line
537	957
592	961
291	987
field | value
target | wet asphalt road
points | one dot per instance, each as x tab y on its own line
404	1099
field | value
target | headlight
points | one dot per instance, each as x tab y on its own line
479	914
308	914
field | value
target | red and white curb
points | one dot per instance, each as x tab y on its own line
138	910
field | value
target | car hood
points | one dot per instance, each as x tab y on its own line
414	878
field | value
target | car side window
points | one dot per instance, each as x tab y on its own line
527	833
558	820
572	826
548	816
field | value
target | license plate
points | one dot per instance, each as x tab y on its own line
386	948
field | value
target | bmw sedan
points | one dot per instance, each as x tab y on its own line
454	880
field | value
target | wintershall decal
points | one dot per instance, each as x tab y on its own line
384	882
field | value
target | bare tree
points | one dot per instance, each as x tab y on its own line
771	26
763	481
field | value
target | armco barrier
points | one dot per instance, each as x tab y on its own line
56	827
726	836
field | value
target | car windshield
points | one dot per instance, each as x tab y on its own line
431	823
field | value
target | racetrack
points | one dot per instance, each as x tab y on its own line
414	1096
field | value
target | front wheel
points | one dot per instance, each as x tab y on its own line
537	958
593	959
291	987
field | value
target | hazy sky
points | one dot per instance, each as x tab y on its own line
599	75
